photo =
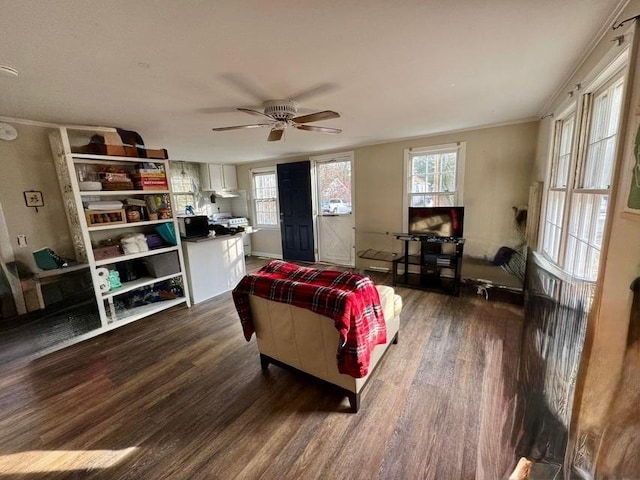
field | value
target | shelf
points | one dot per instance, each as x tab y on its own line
137	313
68	164
371	254
83	157
138	283
438	269
129	224
412	259
113	193
133	256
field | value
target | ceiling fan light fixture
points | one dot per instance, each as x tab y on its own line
282	110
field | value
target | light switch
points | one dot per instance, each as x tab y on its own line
22	240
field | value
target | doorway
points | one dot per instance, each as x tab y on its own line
335	219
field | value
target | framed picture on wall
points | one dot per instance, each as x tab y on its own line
632	176
33	198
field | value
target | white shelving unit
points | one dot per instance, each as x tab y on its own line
115	306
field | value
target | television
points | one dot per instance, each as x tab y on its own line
436	221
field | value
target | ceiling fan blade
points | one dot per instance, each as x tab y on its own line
275	135
313	128
247	86
254	112
237	127
313	92
316	117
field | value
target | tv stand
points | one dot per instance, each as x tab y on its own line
437	266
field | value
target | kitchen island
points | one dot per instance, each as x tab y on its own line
214	265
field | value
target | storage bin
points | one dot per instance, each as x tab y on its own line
162	264
168	233
101	253
154	240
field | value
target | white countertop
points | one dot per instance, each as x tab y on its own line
209	239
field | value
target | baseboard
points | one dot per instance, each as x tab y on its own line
266	255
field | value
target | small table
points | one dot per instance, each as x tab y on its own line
438	265
44	277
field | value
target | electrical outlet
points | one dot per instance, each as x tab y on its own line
22	240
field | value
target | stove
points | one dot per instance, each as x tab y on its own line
230	221
238	222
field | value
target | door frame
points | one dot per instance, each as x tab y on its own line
315	195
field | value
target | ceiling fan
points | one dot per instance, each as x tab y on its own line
282	114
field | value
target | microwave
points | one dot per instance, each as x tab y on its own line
193	226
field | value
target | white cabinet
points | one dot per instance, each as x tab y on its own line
159	285
214	265
217	178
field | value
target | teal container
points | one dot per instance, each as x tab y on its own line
167	232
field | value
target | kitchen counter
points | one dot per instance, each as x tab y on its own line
214	265
208	239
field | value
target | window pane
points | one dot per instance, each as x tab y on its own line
561	167
553	224
421	201
433	173
185	185
265	190
586	229
334	187
445	200
180	202
266	212
265	185
605	118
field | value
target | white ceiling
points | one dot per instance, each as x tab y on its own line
172	70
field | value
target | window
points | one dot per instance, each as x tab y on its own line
560	163
265	197
434	175
185	185
334	182
580	182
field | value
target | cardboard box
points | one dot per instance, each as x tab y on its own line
117	185
107	149
159	153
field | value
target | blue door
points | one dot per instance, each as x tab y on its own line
296	219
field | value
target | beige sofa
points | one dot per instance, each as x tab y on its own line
289	336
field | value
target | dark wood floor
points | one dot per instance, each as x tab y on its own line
181	395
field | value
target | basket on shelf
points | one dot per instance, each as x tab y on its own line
101	253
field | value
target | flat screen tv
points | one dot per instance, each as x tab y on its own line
436	221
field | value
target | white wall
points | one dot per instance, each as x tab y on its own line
497	177
27	164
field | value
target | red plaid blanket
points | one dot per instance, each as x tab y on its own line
351	300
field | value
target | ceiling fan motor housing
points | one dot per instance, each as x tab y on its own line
281	110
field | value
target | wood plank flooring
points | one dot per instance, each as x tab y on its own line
181	396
